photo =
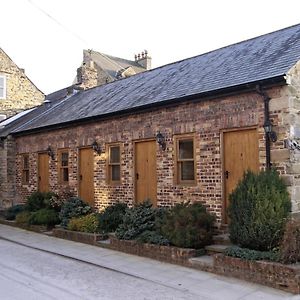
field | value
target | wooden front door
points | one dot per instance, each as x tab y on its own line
86	175
43	172
145	172
240	155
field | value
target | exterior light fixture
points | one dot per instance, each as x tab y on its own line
161	140
268	127
50	152
47	103
96	147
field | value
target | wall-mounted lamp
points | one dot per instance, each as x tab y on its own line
268	127
161	140
50	152
96	147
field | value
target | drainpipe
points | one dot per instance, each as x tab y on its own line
269	134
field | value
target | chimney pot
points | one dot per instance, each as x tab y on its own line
135	57
139	56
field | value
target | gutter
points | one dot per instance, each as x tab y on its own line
232	90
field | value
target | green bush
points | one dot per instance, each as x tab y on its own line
290	245
258	210
248	254
188	225
44	216
74	207
11	213
138	220
88	223
112	217
23	218
153	237
39	200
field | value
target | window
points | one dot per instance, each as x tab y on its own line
25	168
185	160
63	166
2	87
114	165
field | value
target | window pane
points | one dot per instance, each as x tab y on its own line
64	159
115	154
1	82
1	92
186	149
187	170
115	173
65	174
26	176
25	162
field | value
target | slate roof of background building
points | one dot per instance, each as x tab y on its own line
111	64
258	59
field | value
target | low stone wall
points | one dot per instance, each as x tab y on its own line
276	275
35	228
163	253
76	236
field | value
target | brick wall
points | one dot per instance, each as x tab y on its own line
206	119
21	93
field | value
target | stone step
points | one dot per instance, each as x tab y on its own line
204	263
215	248
222	239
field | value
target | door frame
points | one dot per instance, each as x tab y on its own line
38	169
79	170
134	142
222	150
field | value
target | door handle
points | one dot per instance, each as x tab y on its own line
137	176
40	178
226	173
80	177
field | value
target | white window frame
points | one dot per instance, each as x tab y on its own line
4	87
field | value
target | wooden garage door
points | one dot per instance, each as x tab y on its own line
145	171
43	172
86	175
240	155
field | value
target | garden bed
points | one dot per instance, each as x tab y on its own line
35	228
76	236
276	275
162	253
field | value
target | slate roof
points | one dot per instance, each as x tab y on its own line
111	64
258	59
28	116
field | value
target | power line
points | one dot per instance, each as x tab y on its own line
57	22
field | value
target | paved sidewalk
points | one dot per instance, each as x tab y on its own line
201	284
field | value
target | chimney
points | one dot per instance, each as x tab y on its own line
143	60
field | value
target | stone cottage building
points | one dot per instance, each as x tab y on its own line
98	68
17	92
184	131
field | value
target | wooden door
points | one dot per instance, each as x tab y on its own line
240	155
43	172
145	172
86	175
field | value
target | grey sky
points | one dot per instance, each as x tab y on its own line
51	50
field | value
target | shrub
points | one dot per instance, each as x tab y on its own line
188	225
248	254
137	220
23	218
153	237
38	200
290	245
112	217
11	213
88	223
44	216
74	207
258	210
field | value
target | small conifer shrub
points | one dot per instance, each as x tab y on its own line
259	207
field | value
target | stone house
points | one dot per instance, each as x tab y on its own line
17	92
184	131
98	68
